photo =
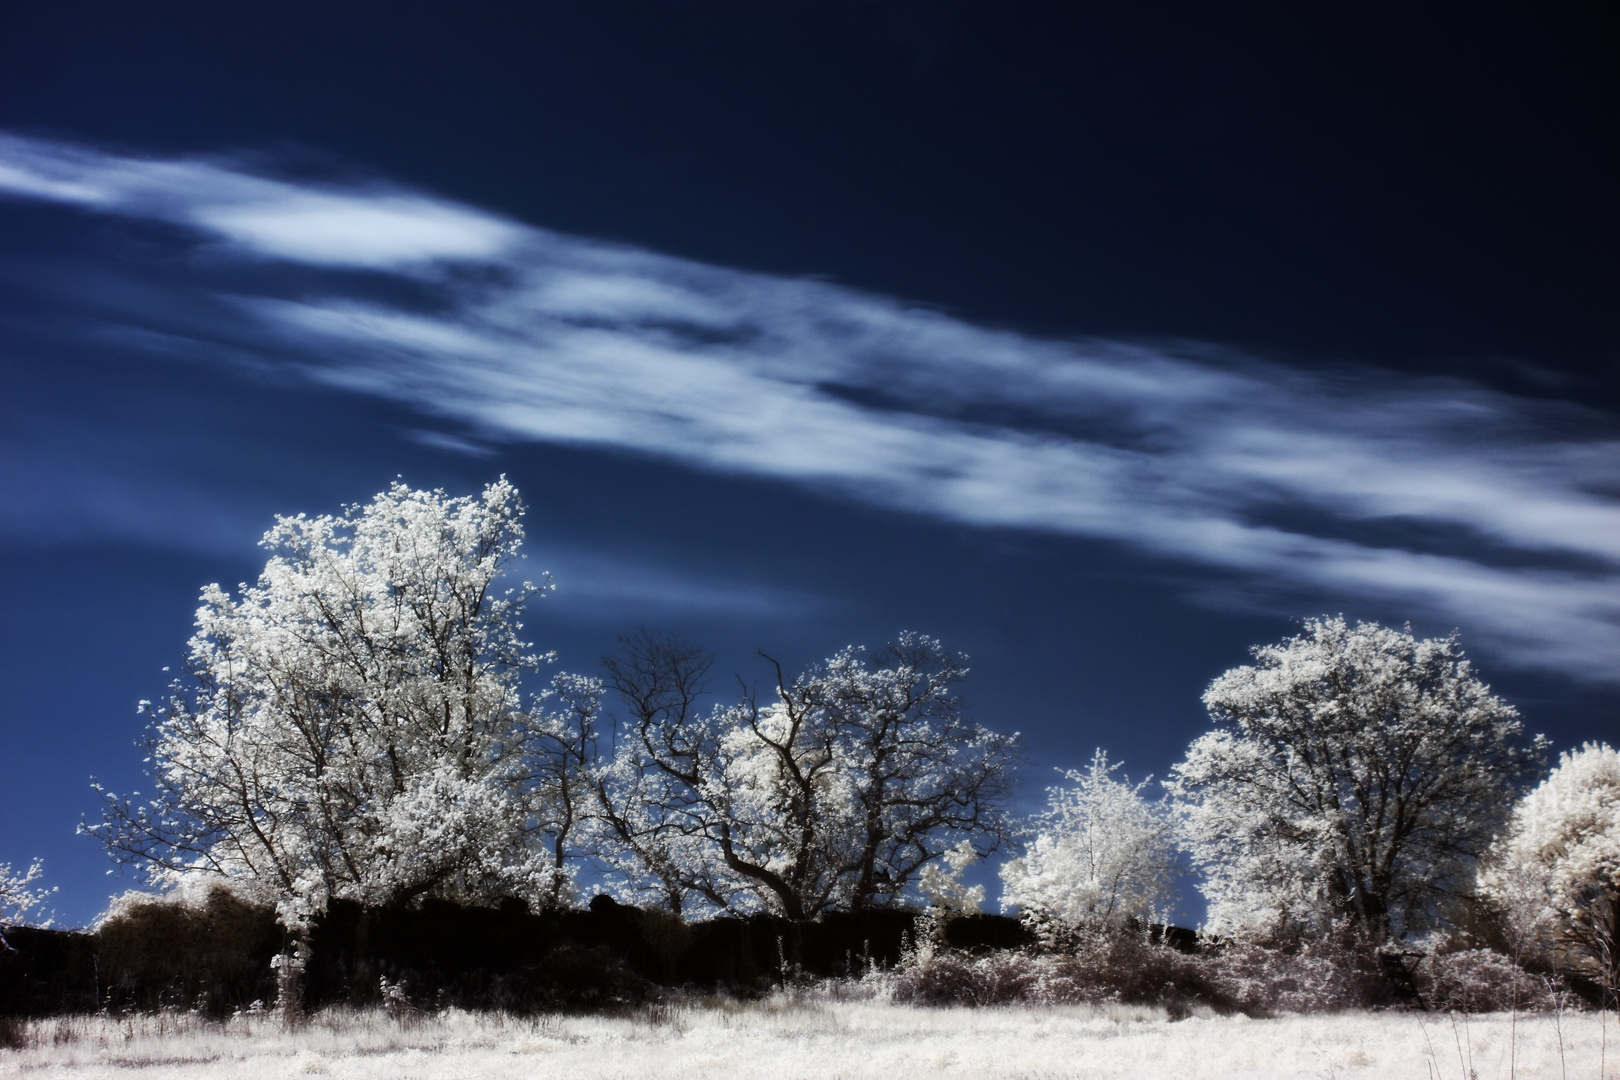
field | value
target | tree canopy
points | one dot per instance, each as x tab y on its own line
351	725
1555	871
1355	775
1099	854
859	772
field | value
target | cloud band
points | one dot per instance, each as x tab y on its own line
1487	510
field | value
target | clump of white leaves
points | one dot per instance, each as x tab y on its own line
941	882
1101	854
350	726
1555	872
21	899
1355	776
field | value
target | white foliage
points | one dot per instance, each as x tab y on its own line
20	899
942	887
350	726
914	772
1101	853
1556	870
1355	775
785	799
653	842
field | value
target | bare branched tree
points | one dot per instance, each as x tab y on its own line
835	794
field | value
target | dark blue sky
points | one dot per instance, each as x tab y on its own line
1100	344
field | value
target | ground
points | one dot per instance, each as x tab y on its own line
787	1038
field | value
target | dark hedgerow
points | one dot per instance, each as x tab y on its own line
210	953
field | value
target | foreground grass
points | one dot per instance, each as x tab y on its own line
802	1038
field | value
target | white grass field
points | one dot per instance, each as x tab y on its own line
786	1038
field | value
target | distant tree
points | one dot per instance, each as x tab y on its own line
1355	775
1555	871
835	794
350	726
1099	854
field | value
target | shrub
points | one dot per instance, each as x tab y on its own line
954	978
1333	974
204	945
1116	968
1321	976
1482	980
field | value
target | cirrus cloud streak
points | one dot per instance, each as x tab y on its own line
1492	512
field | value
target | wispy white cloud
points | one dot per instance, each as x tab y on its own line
618	588
1490	511
374	228
442	440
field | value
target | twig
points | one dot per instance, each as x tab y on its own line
1468	1037
1513	1017
1558	1022
1603	1007
1433	1060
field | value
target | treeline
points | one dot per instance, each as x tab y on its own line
213	953
350	735
354	727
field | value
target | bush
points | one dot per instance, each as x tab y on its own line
1328	975
1482	980
1321	976
1119	968
575	979
955	978
204	946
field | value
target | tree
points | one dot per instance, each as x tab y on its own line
1555	871
837	793
1355	776
917	769
350	726
560	755
1101	854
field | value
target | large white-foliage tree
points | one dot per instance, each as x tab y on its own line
350	726
1555	871
837	793
1100	854
1355	775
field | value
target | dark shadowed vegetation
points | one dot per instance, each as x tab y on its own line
214	956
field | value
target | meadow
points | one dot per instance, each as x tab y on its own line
820	1038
